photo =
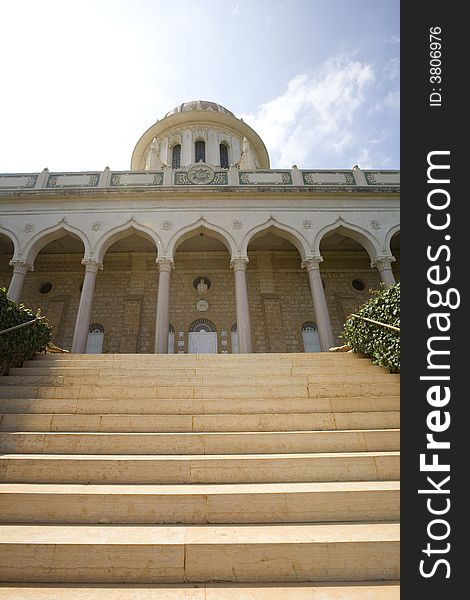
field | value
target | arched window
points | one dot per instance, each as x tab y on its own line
176	156
202	325
200	151
94	343
234	338
171	339
310	337
223	150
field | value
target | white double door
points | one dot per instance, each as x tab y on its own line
202	342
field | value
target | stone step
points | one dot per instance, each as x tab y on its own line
198	371
367	590
199	553
196	406
228	503
209	422
200	443
245	468
227	359
223	383
317	390
129	377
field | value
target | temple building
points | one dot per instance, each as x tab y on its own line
201	247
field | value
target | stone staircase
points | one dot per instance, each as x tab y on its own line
199	477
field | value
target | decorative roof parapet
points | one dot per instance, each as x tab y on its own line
202	174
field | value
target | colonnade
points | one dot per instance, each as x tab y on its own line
165	266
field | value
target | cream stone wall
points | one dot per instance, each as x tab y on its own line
125	298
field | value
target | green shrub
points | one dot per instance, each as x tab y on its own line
20	344
381	344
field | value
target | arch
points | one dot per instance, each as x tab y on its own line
283	231
234	328
309	326
198	324
360	235
13	239
388	238
202	226
41	239
122	231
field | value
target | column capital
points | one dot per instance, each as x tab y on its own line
21	266
312	263
165	264
383	263
239	263
91	266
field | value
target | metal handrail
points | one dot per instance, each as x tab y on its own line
21	325
375	322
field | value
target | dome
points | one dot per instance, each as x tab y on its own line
221	139
199	105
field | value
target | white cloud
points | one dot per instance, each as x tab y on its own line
315	114
389	102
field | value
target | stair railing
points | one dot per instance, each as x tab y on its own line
375	322
21	325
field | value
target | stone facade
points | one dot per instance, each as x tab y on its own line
105	230
126	293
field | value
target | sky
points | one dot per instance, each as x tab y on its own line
81	81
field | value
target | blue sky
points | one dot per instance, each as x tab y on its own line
317	79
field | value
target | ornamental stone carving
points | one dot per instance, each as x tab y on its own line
165	264
239	264
202	305
383	263
199	134
21	266
92	266
312	263
201	174
28	228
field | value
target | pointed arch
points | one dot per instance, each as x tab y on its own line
280	229
360	235
388	238
41	239
202	226
122	231
13	239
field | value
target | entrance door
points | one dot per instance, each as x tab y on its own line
202	342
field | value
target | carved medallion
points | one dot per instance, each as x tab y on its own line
202	305
201	175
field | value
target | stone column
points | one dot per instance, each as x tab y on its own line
82	323
162	322
383	264
319	302
242	307
20	268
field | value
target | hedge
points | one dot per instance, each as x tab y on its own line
379	343
20	344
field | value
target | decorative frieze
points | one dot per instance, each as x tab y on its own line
136	179
382	177
265	178
328	178
72	180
